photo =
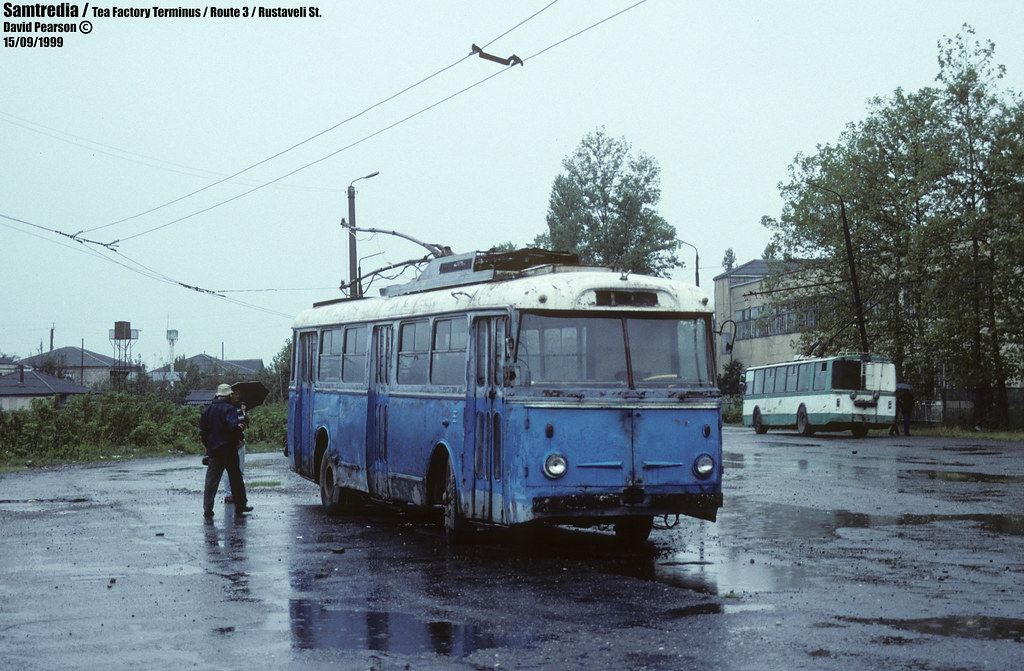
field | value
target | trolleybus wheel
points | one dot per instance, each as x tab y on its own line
759	426
336	500
859	431
634	530
455	527
330	493
803	426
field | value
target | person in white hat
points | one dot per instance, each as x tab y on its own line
221	430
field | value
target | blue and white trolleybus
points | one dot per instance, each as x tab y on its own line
512	388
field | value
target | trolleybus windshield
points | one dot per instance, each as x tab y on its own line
614	350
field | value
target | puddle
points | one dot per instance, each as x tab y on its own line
1010	525
962	476
958	626
316	627
173	570
33	501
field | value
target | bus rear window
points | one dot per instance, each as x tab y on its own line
845	374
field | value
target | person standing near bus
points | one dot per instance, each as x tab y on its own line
905	404
221	430
236	400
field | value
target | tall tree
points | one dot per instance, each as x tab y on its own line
603	209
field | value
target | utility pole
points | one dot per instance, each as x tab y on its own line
853	268
355	291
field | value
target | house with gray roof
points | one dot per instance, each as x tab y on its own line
236	368
79	364
19	389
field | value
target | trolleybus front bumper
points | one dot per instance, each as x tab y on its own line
627	503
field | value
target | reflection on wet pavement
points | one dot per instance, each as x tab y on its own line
977	627
315	626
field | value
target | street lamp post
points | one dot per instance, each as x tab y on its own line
696	261
355	291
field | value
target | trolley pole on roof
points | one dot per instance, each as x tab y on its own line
353	272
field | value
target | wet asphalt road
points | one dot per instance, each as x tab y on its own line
830	553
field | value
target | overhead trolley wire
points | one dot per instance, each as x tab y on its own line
143	270
365	138
134	266
308	139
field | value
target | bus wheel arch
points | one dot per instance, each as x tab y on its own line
436	474
759	427
803	424
444	490
334	498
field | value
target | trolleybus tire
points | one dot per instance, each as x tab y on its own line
336	500
759	427
803	425
330	493
859	431
634	530
456	529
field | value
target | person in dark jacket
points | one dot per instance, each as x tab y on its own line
221	430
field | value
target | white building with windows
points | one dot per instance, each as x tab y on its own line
753	336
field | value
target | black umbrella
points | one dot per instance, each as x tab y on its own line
250	393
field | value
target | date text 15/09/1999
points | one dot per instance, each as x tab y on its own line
24	41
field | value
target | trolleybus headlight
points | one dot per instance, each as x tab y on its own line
555	466
703	466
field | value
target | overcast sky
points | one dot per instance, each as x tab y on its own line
109	133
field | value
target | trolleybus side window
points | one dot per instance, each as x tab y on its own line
353	361
413	346
448	356
792	377
330	355
804	377
820	376
758	382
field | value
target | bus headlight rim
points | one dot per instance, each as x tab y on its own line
704	466
555	465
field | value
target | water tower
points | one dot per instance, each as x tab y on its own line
122	336
172	337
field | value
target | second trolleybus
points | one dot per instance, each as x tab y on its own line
854	392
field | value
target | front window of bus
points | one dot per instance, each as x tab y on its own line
635	352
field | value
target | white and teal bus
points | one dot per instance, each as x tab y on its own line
855	392
509	388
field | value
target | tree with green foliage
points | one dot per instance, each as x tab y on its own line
276	376
729	260
930	187
603	209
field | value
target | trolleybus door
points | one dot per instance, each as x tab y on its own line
377	420
488	410
302	413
